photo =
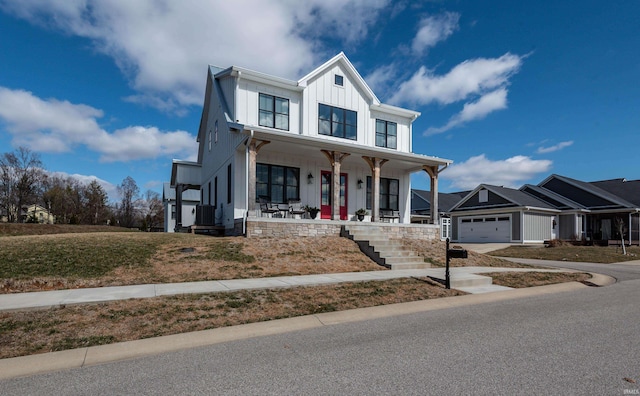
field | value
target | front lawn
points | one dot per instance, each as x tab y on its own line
585	254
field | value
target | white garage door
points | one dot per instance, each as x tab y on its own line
485	229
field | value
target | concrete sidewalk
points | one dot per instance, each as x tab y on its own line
90	356
462	278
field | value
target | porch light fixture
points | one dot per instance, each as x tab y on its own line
359	184
310	178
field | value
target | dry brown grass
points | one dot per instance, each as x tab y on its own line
14	229
41	331
530	279
176	258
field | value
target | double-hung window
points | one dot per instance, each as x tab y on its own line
274	112
386	134
278	184
389	193
334	121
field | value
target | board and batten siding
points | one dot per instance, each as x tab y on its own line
538	227
247	104
323	90
403	130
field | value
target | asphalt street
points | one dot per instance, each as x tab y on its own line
579	342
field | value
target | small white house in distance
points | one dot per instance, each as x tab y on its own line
190	199
324	140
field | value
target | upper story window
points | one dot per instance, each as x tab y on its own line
274	112
338	80
386	134
334	121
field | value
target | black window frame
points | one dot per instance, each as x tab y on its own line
386	195
384	134
272	99
289	191
342	123
338	80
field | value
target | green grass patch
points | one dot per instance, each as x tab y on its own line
75	256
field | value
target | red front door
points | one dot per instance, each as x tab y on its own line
326	195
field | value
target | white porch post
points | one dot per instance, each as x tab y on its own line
254	147
335	158
375	164
432	171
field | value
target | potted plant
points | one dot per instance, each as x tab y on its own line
360	213
312	210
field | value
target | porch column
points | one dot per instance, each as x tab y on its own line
335	158
254	146
375	164
433	172
179	189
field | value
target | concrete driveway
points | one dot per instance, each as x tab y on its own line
482	247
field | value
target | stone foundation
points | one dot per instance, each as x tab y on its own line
282	228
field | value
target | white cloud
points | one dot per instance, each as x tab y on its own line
57	126
379	79
469	78
164	46
488	103
551	149
434	29
511	172
110	188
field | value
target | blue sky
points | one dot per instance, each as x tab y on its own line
511	91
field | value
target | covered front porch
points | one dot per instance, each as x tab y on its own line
338	178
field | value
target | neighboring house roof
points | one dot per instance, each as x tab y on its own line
588	195
553	199
421	200
628	190
169	194
499	198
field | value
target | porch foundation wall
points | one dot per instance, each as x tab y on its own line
282	228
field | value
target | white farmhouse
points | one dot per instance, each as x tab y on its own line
324	141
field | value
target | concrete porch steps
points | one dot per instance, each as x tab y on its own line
387	252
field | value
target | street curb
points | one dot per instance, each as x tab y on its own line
601	280
90	356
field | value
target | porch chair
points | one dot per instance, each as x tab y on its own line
267	208
295	208
390	216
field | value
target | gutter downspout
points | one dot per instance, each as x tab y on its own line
246	190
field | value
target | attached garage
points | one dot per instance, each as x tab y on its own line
494	214
485	229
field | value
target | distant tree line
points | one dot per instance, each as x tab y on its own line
24	181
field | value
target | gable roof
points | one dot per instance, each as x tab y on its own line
589	195
504	197
553	199
341	59
356	78
628	190
421	200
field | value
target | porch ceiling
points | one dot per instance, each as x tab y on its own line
306	146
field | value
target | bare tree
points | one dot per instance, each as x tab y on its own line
129	194
154	210
21	181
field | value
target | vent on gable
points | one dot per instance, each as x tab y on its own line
483	196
